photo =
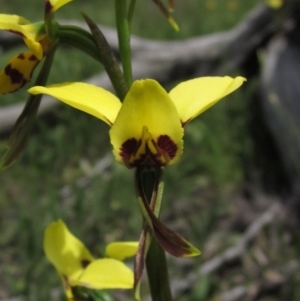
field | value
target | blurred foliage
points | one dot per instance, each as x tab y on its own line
53	178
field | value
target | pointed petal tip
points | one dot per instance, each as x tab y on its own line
121	250
56	4
195	96
88	98
193	252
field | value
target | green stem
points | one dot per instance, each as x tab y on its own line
156	262
124	38
130	11
157	270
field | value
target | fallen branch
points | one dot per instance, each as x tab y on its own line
230	254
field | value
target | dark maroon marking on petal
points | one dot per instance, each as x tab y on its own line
15	75
21	56
48	7
129	147
33	58
165	147
148	158
165	143
84	263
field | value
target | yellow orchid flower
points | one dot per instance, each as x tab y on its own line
275	4
19	69
77	267
147	129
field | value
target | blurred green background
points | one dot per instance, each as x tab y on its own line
54	178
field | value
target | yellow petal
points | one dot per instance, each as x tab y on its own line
17	72
35	47
6	20
56	4
121	250
31	33
106	274
275	4
67	253
193	97
87	98
147	108
19	25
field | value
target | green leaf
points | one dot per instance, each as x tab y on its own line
108	59
21	131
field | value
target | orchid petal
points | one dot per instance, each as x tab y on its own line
65	251
56	4
121	250
7	20
35	47
106	274
17	72
147	112
21	26
87	98
193	97
275	4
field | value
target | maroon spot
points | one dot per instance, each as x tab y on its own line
48	7
129	147
85	263
32	58
165	143
15	75
166	150
21	56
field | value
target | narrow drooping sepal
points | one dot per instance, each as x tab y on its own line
171	242
166	12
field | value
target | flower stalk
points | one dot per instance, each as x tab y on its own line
156	262
157	271
124	38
